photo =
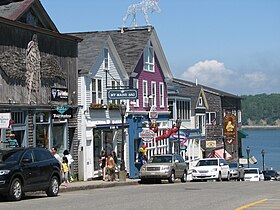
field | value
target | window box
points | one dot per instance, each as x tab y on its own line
97	106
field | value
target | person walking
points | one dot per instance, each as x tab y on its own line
65	171
57	156
70	163
111	167
102	163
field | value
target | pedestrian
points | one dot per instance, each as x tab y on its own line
144	159
65	171
12	141
70	162
57	156
111	167
113	153
102	163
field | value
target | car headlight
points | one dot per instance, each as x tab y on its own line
143	168
4	172
214	169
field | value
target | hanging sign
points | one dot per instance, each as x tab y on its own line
59	94
5	120
147	134
62	112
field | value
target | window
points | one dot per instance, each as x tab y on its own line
211	118
161	94
153	93
136	86
149	58
183	110
28	156
18	117
145	94
97	91
200	102
41	155
115	85
106	58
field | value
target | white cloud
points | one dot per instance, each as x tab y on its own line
210	73
256	77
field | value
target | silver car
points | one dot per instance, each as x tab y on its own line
168	166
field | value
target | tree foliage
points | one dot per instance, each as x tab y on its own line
261	109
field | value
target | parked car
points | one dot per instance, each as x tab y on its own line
236	171
169	166
271	175
211	168
28	169
253	174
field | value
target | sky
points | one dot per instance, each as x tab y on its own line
229	45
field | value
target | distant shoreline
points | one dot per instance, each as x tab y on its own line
260	127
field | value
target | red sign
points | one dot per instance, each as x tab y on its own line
147	134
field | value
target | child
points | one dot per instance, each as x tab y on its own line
65	171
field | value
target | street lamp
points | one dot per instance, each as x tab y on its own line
224	144
122	174
262	152
178	125
248	153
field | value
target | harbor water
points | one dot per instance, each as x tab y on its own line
263	139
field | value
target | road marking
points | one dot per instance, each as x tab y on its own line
251	204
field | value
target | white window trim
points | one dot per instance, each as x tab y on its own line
145	95
161	94
96	88
149	48
200	101
154	93
136	86
208	115
106	58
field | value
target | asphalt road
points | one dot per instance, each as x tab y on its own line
190	195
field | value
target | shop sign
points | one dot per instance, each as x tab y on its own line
153	114
210	144
122	94
230	128
5	120
59	94
62	112
147	134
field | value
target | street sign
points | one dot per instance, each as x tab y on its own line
147	135
119	94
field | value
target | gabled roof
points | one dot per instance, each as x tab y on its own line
129	45
17	10
206	88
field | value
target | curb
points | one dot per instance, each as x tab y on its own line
96	186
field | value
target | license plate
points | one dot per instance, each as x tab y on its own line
202	174
153	173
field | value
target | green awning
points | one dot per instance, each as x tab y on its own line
242	134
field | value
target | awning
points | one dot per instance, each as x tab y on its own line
111	126
242	134
219	153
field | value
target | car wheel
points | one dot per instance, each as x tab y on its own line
15	192
184	177
53	187
219	179
228	177
172	177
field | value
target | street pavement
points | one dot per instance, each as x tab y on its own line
94	184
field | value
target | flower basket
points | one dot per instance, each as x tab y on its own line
97	106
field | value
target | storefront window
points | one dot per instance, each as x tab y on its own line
42	135
42	117
108	141
59	137
96	147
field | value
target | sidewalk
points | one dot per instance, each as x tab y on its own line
94	184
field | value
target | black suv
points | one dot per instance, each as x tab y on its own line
28	169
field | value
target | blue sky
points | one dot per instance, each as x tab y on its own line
231	45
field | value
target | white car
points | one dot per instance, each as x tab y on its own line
211	168
253	174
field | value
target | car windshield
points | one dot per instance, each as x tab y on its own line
251	171
9	156
161	159
207	163
233	165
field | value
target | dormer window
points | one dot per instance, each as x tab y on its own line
106	58
149	63
200	101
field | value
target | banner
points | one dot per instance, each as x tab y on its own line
5	120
